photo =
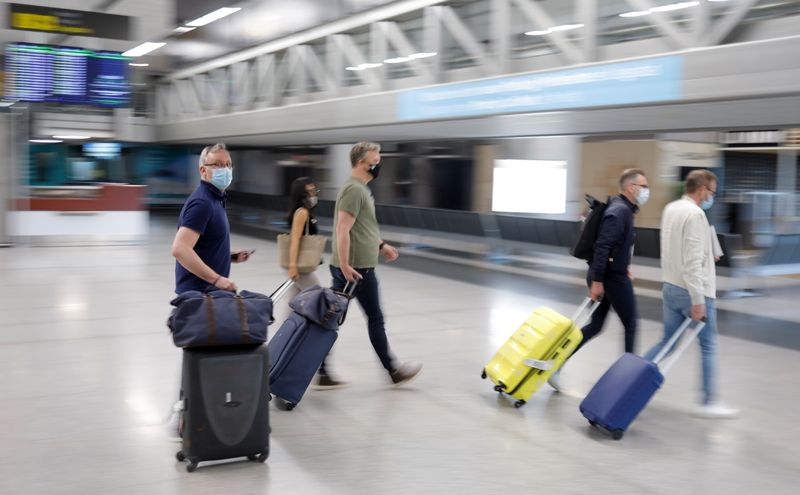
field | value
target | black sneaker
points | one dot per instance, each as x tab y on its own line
405	373
326	382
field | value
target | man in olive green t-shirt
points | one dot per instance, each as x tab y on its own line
356	245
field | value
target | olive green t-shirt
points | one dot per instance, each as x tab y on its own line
355	198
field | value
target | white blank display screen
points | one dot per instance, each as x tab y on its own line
529	186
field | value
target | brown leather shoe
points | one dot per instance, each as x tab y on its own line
326	382
405	373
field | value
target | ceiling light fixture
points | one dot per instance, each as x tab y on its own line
396	60
566	27
72	137
661	8
366	65
422	55
675	6
143	49
45	141
213	16
132	64
183	29
562	27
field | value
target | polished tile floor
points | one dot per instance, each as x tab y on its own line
89	375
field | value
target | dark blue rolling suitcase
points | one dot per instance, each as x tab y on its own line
629	384
302	342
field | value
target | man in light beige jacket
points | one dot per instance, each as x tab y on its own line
689	275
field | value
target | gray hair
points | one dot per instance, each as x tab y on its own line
360	150
211	149
628	176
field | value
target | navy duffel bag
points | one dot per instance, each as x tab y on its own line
219	318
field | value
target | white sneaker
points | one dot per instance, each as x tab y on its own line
716	410
555	380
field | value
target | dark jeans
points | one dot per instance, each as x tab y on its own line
618	294
368	298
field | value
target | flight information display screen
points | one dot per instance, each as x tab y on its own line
70	66
29	72
108	80
39	73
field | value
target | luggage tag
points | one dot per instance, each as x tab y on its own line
539	365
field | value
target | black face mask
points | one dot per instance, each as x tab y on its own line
375	170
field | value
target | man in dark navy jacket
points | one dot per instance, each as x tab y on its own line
202	245
609	276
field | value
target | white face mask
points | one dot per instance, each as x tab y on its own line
312	201
643	195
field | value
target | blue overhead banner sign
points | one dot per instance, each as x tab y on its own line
639	81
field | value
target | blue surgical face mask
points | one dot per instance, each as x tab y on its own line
707	203
643	196
221	178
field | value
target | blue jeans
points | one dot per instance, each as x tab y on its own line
368	298
677	307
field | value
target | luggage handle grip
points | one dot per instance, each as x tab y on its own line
683	346
539	365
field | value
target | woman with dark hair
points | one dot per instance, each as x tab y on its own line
303	197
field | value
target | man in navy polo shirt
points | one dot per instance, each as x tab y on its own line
202	245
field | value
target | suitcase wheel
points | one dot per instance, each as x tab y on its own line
592	423
284	405
191	467
519	403
499	387
617	434
483	374
179	455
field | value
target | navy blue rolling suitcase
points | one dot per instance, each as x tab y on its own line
302	342
625	389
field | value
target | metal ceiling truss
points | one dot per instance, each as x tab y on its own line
342	58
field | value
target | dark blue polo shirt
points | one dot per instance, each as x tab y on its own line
204	212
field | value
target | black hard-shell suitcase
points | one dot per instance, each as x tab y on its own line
225	404
225	395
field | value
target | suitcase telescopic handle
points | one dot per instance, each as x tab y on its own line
685	343
585	311
349	289
281	291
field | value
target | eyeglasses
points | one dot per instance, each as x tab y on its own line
312	191
712	190
218	165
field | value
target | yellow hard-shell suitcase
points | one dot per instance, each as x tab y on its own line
535	351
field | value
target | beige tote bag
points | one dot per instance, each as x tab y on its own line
311	249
